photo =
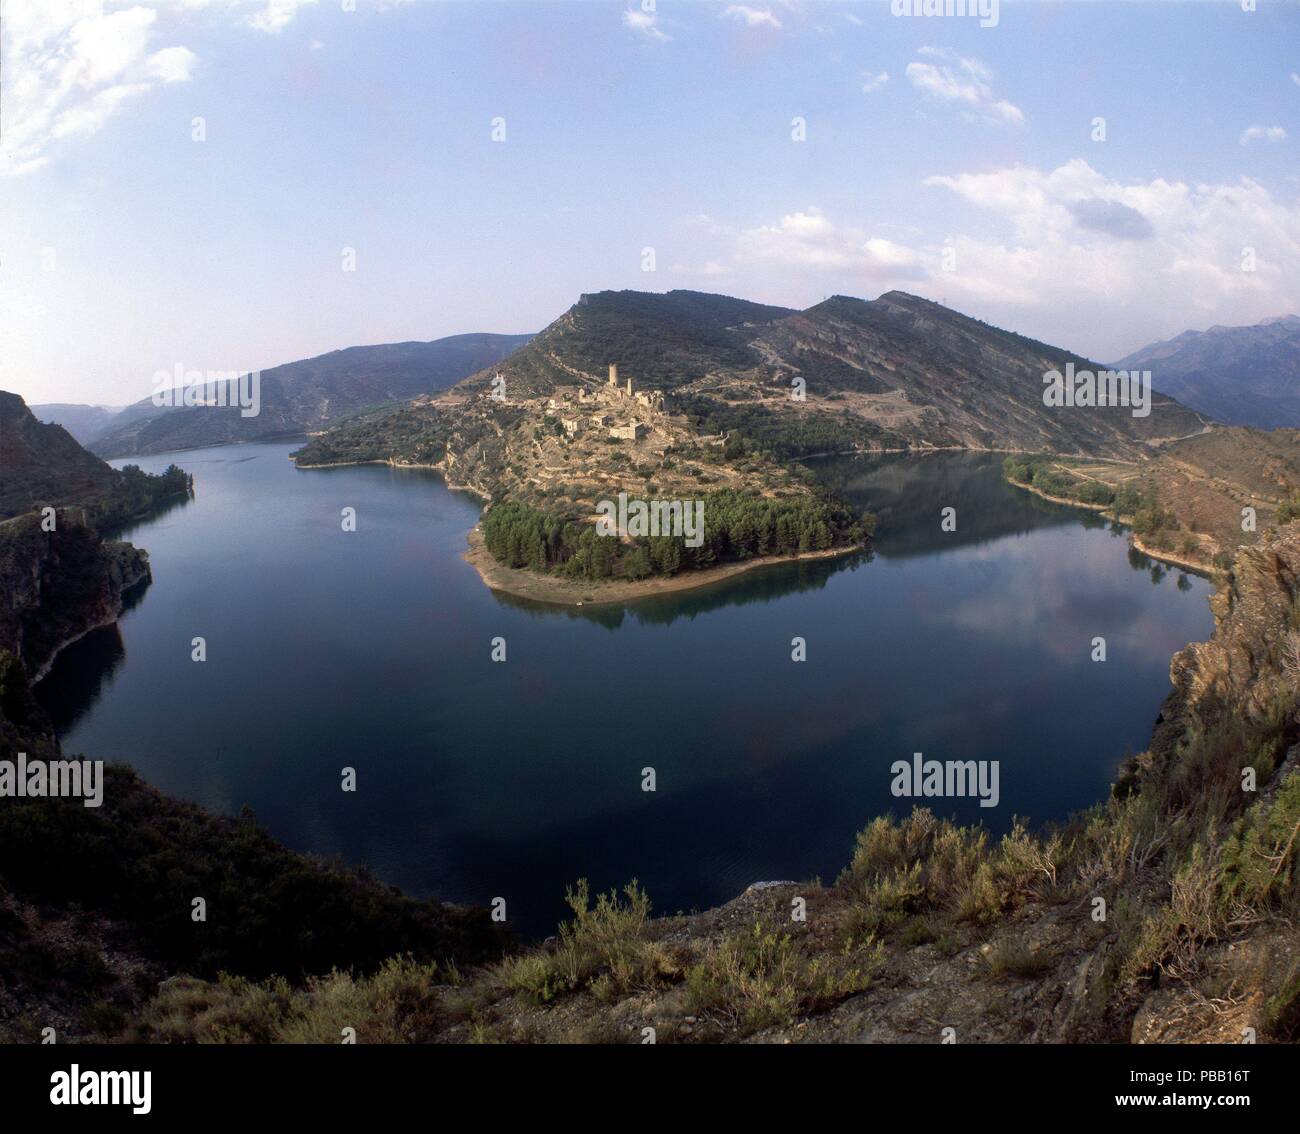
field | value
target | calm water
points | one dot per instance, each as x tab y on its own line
476	779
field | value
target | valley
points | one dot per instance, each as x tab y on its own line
695	407
763	523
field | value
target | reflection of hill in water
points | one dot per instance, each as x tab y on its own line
123	531
82	673
80	676
908	492
763	584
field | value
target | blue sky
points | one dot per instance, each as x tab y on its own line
940	157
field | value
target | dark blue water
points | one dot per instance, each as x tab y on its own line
371	650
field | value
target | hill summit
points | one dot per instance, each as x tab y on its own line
846	374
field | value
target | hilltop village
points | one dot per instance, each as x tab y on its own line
579	443
625	414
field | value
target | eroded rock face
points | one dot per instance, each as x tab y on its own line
57	586
1241	672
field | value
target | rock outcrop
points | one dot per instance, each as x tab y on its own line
59	585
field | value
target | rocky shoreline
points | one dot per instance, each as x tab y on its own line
61	585
130	568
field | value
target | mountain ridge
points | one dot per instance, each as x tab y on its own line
1240	375
43	462
307	394
84	422
892	373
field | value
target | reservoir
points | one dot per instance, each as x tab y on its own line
372	650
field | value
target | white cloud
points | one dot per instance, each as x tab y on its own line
277	15
887	254
810	240
1068	255
173	64
1262	134
87	116
103	48
963	82
70	67
872	82
752	17
1295	78
709	269
1134	261
646	23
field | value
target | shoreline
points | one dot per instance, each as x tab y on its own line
1062	499
270	439
575	592
1205	572
448	483
1201	570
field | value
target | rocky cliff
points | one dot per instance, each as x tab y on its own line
59	585
58	578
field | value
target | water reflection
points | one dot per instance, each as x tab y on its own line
908	494
80	676
760	585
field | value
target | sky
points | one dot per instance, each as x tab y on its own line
232	184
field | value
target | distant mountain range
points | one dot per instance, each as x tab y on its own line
897	372
891	373
85	423
1238	375
298	397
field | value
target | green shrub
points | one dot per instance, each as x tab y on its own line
606	941
1259	857
1015	959
762	979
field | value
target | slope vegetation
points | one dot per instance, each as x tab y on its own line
303	396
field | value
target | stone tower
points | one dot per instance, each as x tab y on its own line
613	373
